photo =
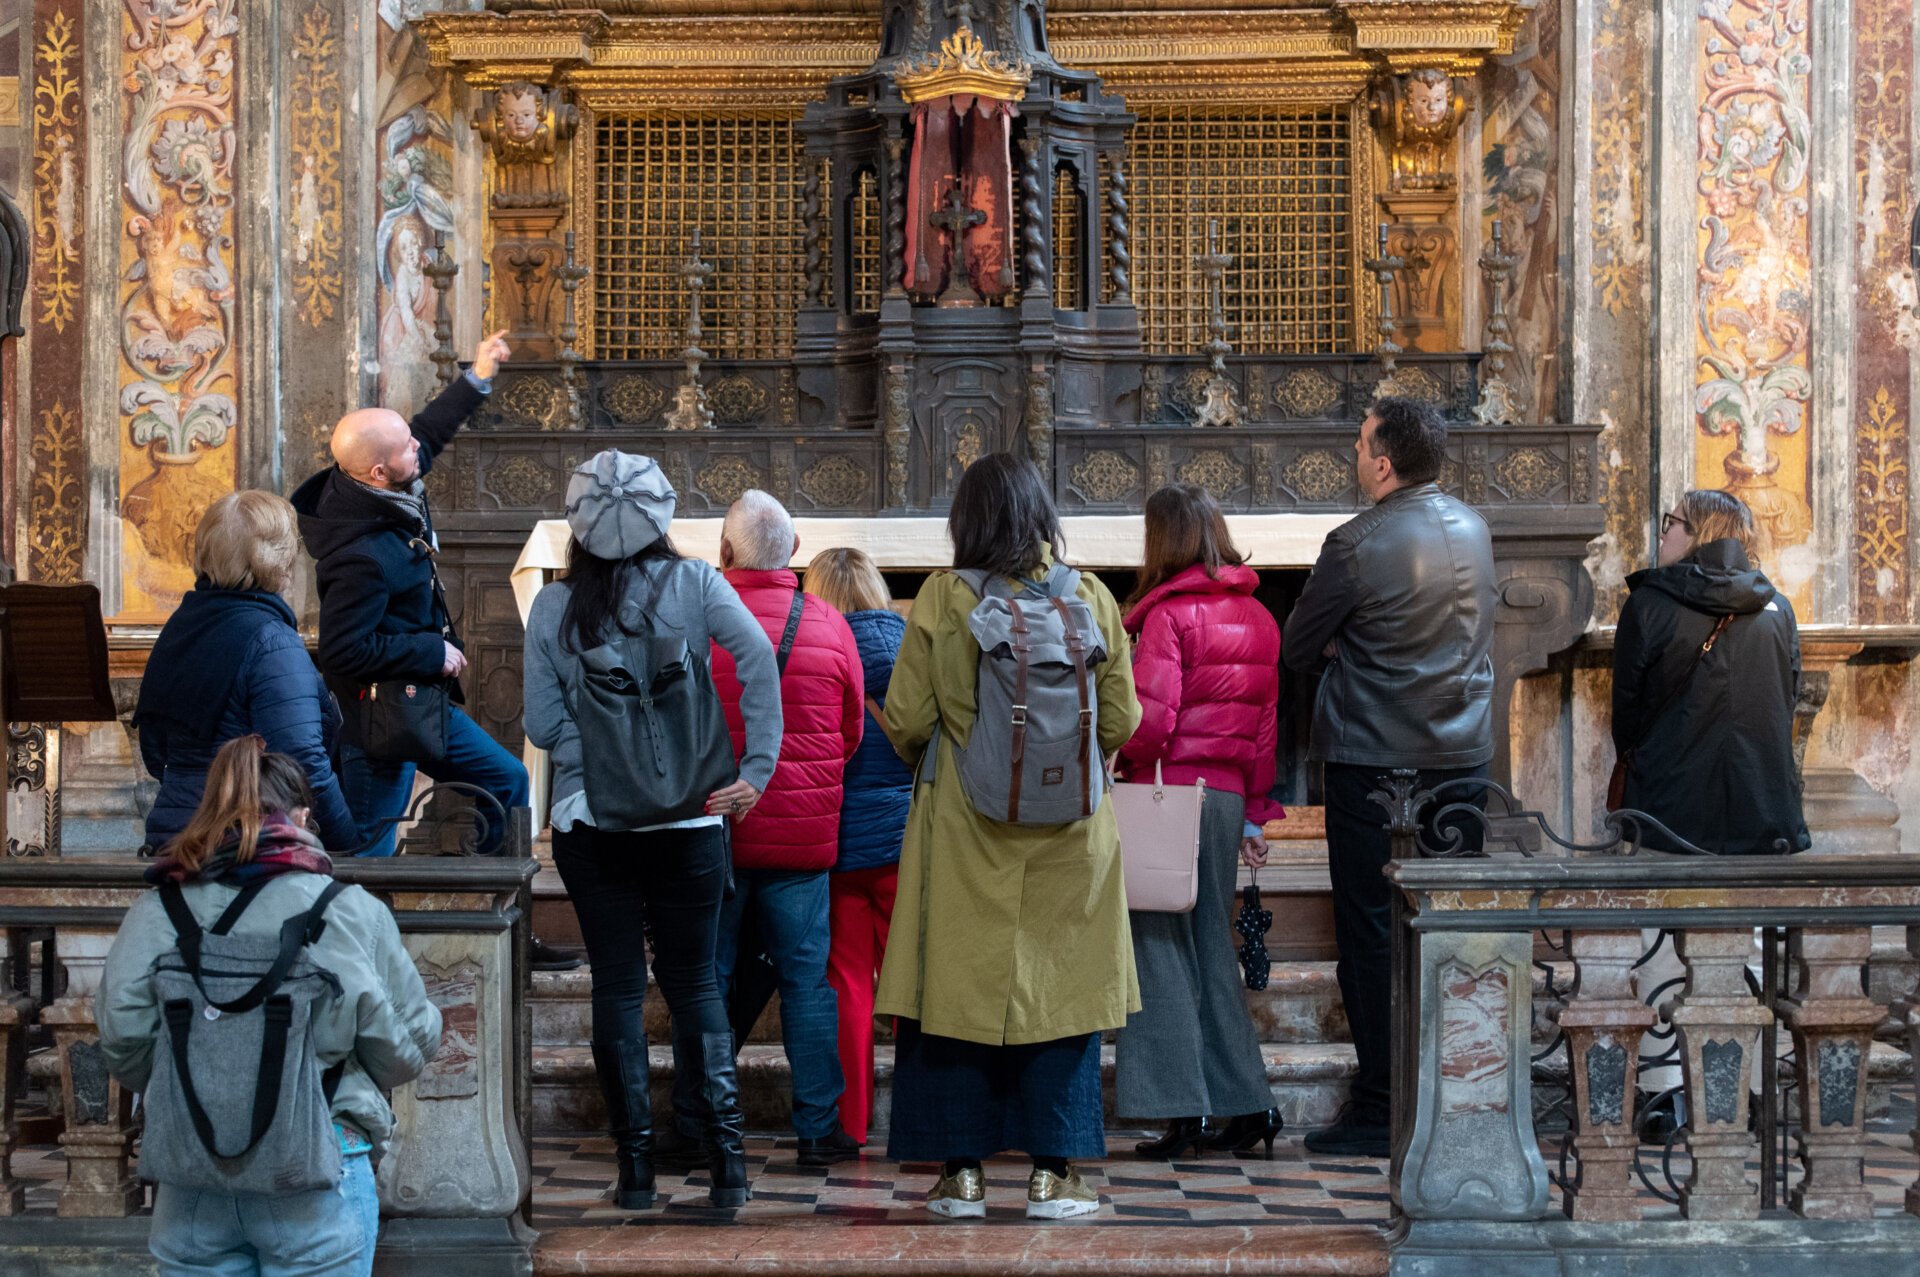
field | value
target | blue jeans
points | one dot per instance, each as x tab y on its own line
330	1232
378	792
790	913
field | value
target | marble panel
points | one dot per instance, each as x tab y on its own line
1886	333
1752	378
56	451
178	377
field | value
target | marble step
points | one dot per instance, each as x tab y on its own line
1309	1084
1301	1004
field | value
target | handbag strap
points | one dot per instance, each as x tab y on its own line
447	631
793	631
1673	696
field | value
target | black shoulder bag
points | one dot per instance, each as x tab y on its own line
1617	783
407	720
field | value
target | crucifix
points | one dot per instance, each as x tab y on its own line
956	218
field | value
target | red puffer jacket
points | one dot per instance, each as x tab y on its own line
796	824
1206	664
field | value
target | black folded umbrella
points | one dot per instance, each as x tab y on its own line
1252	925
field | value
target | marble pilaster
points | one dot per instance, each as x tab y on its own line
457	1147
1833	1023
1603	1024
1472	1152
1719	1024
98	1139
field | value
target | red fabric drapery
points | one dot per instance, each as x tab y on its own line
969	140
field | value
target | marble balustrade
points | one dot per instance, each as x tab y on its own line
456	1179
1465	1144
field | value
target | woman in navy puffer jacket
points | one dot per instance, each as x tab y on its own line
230	662
873	816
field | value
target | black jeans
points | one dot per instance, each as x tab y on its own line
670	878
1358	849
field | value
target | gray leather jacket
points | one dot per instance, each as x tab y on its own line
1405	594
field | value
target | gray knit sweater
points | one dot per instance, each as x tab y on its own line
686	598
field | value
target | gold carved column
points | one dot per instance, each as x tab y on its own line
1423	53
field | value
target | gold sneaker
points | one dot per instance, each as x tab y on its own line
961	1195
1051	1196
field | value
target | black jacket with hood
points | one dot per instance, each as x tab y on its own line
1716	766
373	567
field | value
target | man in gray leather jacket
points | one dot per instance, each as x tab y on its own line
1398	617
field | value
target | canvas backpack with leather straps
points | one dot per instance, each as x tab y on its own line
1033	756
234	1007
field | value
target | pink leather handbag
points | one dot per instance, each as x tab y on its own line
1160	843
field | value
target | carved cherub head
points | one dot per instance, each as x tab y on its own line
519	106
1429	97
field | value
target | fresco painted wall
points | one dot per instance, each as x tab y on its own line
178	368
55	461
1754	270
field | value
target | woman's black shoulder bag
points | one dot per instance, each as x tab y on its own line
405	720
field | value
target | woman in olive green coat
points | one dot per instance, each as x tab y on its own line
1009	950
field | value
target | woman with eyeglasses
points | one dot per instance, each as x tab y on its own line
1706	668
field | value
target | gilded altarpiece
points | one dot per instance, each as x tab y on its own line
1754	293
1886	331
179	372
56	460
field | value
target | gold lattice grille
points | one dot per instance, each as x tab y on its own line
1068	220
738	177
866	228
1279	180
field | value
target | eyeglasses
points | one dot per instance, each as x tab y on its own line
1668	520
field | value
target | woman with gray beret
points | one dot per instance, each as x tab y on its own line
624	578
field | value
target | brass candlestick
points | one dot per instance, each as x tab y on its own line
570	276
690	410
441	270
1384	268
1497	406
1221	405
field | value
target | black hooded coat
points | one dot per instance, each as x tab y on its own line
1716	765
373	568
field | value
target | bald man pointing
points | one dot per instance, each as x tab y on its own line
382	617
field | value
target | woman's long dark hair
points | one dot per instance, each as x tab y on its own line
1001	514
1184	527
599	586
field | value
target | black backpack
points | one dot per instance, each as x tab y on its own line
654	743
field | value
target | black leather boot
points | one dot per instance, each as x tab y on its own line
1241	1133
1186	1132
626	1085
726	1128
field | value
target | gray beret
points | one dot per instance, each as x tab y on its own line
619	503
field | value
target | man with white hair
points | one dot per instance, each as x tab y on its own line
382	614
783	849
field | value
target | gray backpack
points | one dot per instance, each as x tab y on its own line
236	1007
1033	757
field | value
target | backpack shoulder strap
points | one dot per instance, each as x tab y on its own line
1083	682
976	580
1061	581
296	933
238	906
185	928
793	631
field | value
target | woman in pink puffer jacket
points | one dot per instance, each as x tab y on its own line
1206	663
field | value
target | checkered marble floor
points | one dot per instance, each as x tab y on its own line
572	1179
573	1176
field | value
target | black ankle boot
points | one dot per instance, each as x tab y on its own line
726	1129
1241	1133
625	1083
1186	1132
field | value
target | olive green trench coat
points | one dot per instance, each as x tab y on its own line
1001	934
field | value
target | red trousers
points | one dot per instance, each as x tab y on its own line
860	906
